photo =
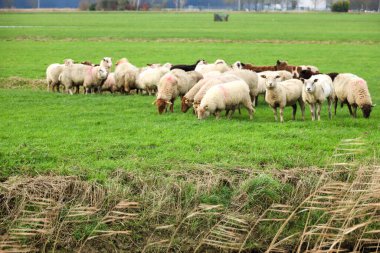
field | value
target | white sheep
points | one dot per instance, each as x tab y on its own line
261	87
353	91
188	98
52	74
148	79
125	75
109	84
218	65
309	67
79	74
250	78
171	85
281	94
225	96
210	83
316	90
107	63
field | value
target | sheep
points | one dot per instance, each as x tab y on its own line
283	65
225	96
295	70
107	63
218	65
194	77
281	94
149	78
250	78
261	87
187	67
210	83
52	74
79	74
125	76
316	90
188	98
353	91
240	65
172	84
109	84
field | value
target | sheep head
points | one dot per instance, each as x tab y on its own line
366	109
270	81
310	85
161	105
203	112
102	73
185	104
106	62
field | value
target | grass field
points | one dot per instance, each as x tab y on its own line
94	136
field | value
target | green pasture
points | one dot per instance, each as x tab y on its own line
94	135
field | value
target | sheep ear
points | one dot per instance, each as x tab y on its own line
154	102
263	76
278	62
243	64
302	80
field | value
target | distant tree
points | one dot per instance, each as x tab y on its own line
341	6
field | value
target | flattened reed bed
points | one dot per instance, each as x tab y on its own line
239	210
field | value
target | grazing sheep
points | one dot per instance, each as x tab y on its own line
210	83
125	76
187	67
251	67
188	98
281	94
52	74
225	96
79	74
316	90
250	78
109	84
218	65
173	84
353	91
149	78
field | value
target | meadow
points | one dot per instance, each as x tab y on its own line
95	136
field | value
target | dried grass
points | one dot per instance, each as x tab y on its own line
329	210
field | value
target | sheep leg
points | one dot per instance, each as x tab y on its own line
354	111
319	105
350	109
294	111
217	114
335	105
302	105
329	102
312	111
238	109
172	105
281	114
275	113
251	109
256	100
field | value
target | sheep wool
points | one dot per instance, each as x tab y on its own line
353	91
225	96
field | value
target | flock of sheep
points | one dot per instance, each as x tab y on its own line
212	88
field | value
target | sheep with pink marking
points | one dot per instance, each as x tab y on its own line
226	96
